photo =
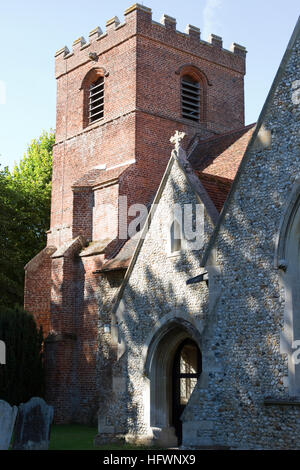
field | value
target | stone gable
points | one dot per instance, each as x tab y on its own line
154	293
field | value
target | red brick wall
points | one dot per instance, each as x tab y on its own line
158	84
143	62
83	214
87	343
37	288
111	143
61	346
105	212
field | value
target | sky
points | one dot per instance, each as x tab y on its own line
32	31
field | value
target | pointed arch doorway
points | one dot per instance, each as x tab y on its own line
186	370
173	366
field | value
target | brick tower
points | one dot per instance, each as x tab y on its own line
120	97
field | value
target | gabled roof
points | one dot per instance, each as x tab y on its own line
205	151
221	155
216	161
254	138
99	176
199	191
122	256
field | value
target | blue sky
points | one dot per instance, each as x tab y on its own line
33	30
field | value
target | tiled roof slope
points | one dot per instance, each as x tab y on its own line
97	176
221	155
216	161
217	188
121	258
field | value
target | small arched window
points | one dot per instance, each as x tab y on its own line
190	98
96	100
175	237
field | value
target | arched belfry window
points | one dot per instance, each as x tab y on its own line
96	100
93	88
190	98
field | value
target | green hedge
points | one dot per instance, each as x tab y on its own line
22	377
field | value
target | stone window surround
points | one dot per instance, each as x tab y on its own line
170	240
158	352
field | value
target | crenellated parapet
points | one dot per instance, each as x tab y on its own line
112	24
238	49
138	21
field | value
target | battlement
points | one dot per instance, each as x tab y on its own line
138	21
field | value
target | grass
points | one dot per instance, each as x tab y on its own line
80	437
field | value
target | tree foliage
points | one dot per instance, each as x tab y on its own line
25	196
22	376
10	277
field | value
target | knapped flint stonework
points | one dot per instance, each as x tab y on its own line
154	296
242	402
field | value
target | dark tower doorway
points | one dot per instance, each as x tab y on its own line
187	367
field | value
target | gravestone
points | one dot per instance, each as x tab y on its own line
33	424
7	421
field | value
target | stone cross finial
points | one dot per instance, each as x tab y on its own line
177	138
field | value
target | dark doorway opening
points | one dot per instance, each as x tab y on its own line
187	367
